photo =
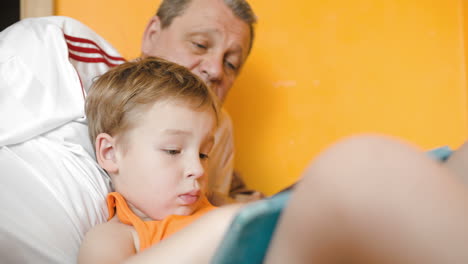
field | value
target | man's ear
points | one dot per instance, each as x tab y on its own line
151	34
106	153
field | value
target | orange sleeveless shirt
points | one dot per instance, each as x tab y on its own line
151	232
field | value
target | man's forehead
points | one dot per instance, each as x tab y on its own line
212	16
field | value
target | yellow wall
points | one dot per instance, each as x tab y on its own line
322	70
464	15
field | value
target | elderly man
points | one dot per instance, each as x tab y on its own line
214	47
51	190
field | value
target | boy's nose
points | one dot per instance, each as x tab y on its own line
195	169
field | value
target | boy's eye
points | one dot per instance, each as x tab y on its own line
203	156
172	151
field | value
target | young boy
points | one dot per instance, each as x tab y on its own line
152	123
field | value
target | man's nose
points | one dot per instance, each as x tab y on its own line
211	69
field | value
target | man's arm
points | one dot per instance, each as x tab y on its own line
240	192
225	185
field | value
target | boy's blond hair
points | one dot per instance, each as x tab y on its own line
118	97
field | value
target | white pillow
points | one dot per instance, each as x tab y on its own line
51	189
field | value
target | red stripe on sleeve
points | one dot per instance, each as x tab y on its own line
91	50
91	60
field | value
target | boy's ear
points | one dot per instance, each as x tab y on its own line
105	153
151	35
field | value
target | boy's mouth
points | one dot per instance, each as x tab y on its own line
190	197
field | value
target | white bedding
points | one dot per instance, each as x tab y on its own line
51	190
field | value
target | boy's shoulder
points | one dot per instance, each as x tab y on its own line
107	242
110	229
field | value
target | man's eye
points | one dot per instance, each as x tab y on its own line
231	66
203	156
172	151
198	45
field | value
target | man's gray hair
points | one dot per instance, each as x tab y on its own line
170	9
